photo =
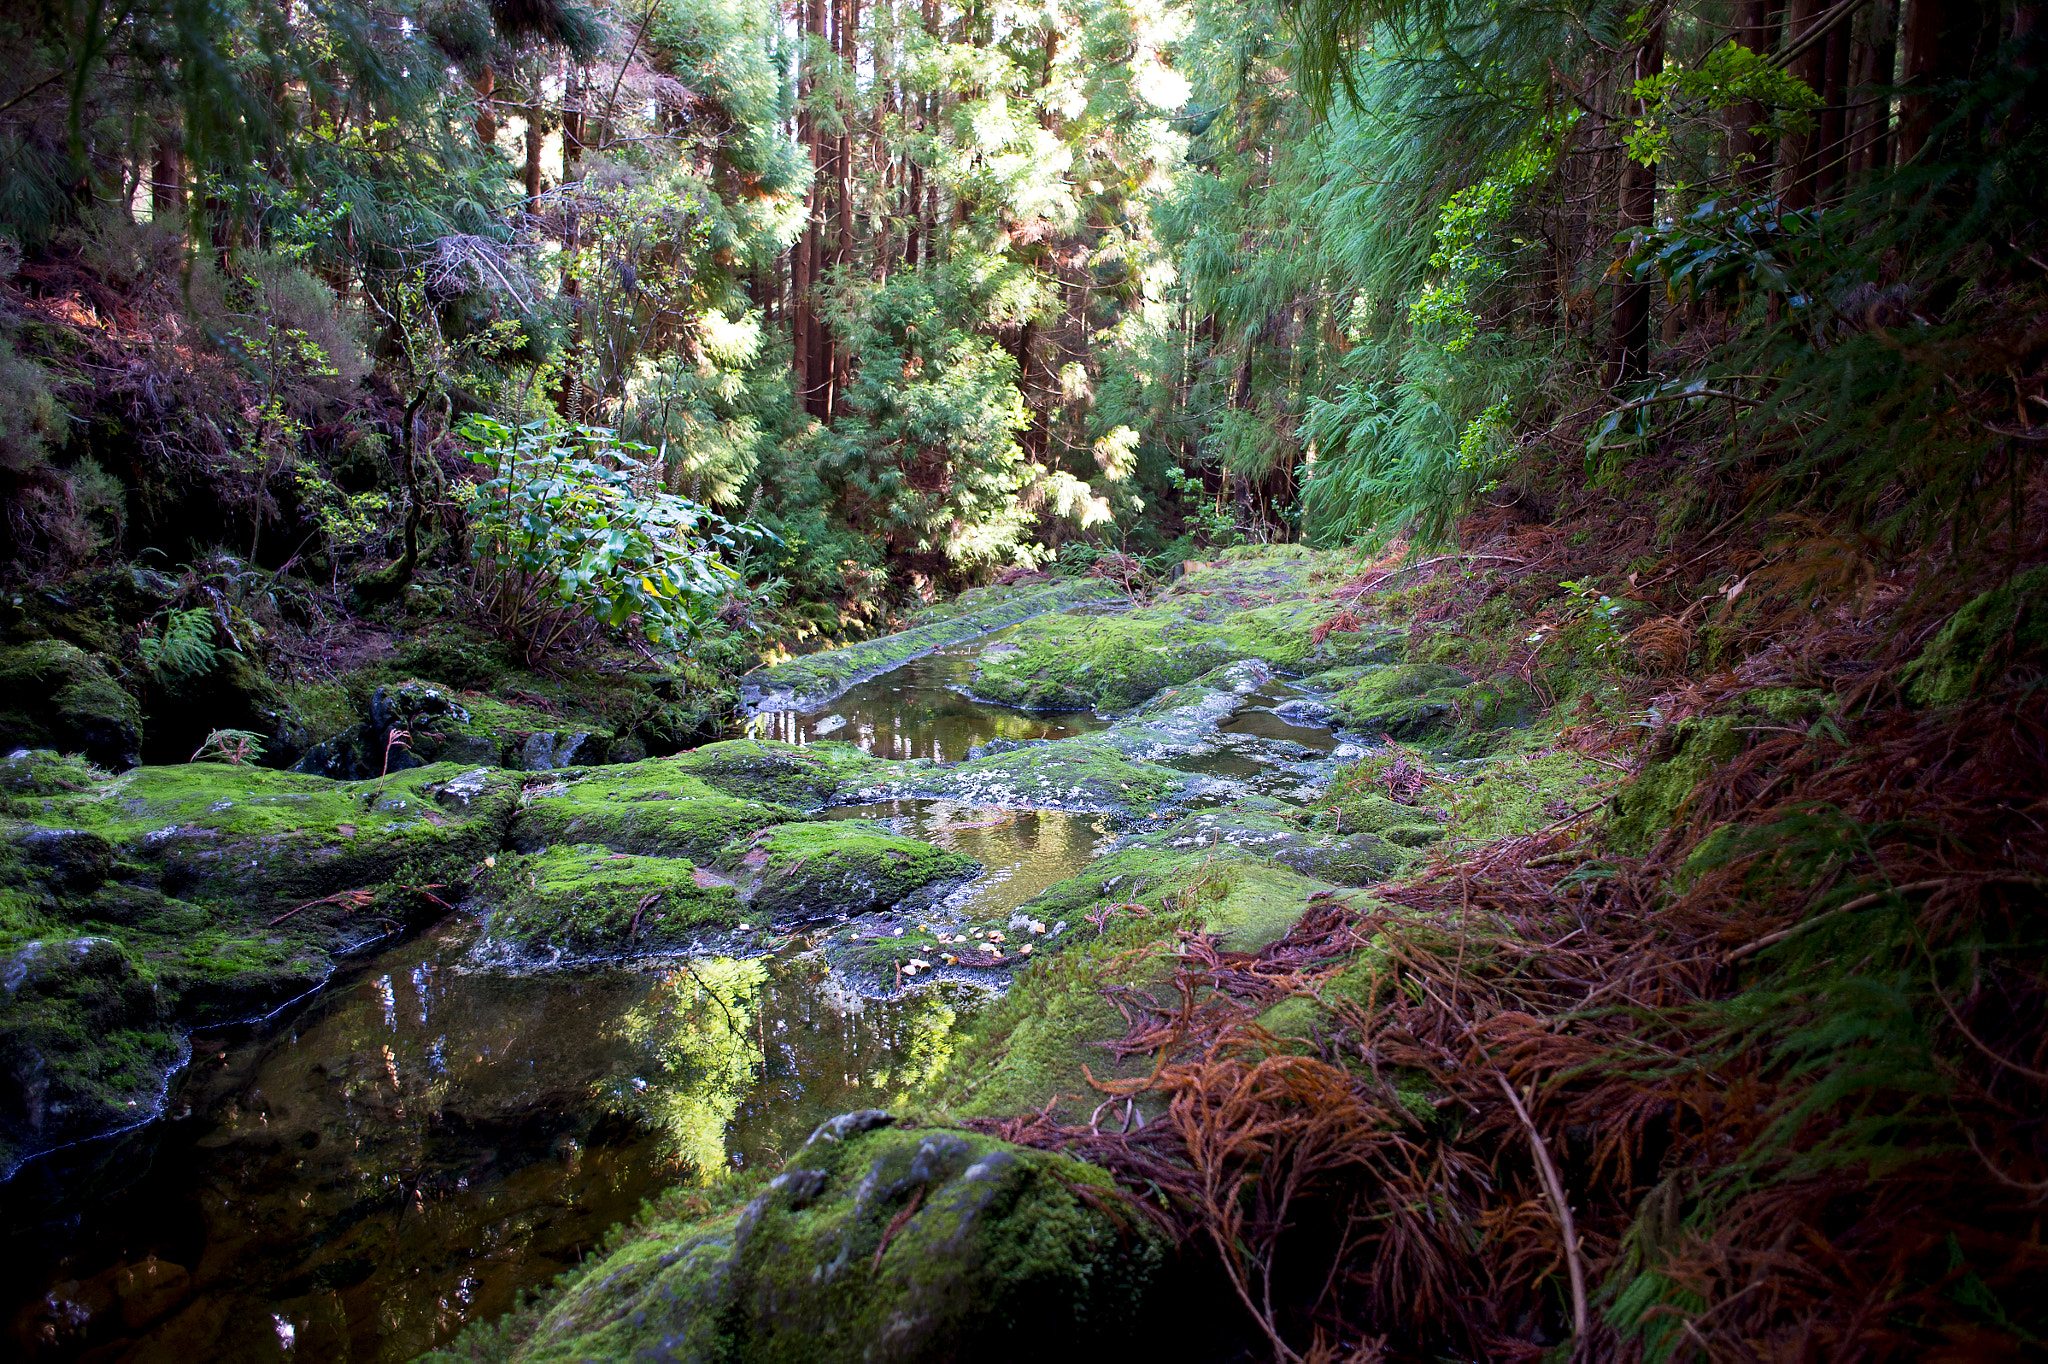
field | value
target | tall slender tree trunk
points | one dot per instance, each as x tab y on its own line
484	82
1756	30
569	398
1628	355
849	38
1798	158
1870	75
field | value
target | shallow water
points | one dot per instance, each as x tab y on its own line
421	1144
920	711
1022	852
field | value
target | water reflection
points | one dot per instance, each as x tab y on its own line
423	1144
1022	852
914	712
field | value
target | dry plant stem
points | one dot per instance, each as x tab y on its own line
1554	1186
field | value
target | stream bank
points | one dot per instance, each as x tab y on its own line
659	973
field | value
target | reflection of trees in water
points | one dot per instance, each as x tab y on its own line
699	1038
913	712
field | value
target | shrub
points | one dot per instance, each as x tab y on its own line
572	533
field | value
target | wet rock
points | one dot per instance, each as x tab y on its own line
85	1044
1302	710
810	681
585	902
55	695
545	751
879	1244
799	873
415	723
70	860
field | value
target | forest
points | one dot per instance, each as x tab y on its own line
1298	680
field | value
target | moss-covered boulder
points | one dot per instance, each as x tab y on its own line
1089	773
806	777
585	902
878	1244
800	873
85	1043
1681	759
412	723
691	805
217	892
55	695
1404	700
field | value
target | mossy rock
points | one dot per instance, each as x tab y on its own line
1089	773
1328	857
2006	625
411	723
55	695
800	873
1050	1036
585	902
85	1044
878	1244
1404	700
237	886
812	680
45	772
805	776
646	807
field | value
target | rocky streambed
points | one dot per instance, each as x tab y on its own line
300	1066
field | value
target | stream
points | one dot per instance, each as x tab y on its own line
420	1144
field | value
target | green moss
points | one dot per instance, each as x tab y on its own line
805	777
1404	700
1031	1047
1649	805
645	807
84	1039
814	679
588	901
1087	773
55	695
884	1244
801	872
2005	625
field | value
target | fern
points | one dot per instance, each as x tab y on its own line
182	648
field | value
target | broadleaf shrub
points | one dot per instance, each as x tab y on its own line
571	533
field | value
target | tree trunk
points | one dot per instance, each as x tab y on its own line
569	398
484	82
1831	157
1942	39
167	180
1753	152
1799	154
1628	356
1870	77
